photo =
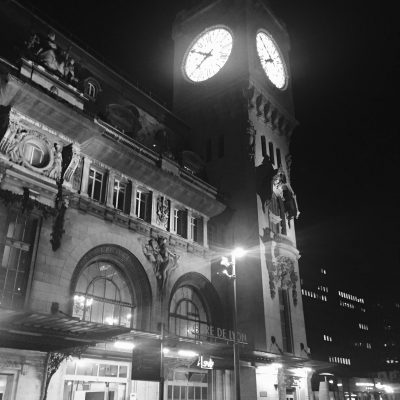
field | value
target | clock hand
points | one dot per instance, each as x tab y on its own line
206	55
201	53
265	47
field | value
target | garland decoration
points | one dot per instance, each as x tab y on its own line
61	206
24	202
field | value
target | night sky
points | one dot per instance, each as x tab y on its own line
345	63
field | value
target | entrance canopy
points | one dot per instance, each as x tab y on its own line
47	332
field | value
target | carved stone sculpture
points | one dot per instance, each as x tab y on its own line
55	171
163	259
71	160
162	211
265	173
4	120
282	274
47	54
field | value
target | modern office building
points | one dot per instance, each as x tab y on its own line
115	216
357	333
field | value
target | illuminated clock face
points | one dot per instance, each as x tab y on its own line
208	54
271	60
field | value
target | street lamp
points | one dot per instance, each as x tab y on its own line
236	253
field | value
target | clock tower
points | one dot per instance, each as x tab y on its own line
233	86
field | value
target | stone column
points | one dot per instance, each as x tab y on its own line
229	385
205	234
281	385
110	189
154	197
309	392
219	385
188	225
85	176
132	211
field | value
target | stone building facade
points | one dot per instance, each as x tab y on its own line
114	220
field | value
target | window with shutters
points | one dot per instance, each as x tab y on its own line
263	146
278	157
286	322
196	229
120	194
143	204
17	239
95	185
180	222
277	215
271	152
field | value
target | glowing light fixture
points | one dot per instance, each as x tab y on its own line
364	384
238	252
123	345
187	353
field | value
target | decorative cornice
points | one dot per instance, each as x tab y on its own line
272	113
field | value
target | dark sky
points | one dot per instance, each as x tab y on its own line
345	62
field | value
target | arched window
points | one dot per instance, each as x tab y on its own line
187	315
91	88
102	295
35	153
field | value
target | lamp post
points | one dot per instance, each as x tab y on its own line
238	252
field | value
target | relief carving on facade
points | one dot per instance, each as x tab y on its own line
71	158
265	174
46	52
267	110
163	258
248	94
282	275
259	102
163	206
251	133
283	189
35	151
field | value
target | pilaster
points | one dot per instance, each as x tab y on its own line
85	176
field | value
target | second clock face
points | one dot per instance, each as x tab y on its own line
271	60
208	54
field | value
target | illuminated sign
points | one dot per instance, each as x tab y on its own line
205	362
226	334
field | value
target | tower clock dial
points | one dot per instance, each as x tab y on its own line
271	60
208	54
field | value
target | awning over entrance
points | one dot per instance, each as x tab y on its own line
286	359
47	332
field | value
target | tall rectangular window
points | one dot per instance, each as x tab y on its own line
180	222
95	184
286	323
17	239
263	146
143	205
271	152
196	229
193	225
119	195
278	158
